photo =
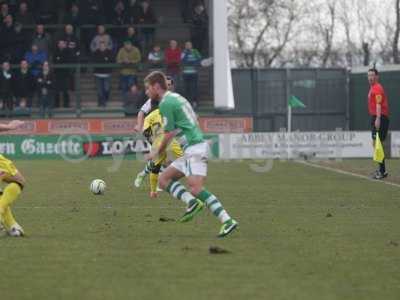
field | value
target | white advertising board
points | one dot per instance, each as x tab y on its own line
327	144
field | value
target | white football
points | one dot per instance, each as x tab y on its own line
98	186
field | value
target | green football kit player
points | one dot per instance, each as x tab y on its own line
180	122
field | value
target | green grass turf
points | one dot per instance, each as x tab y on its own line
305	233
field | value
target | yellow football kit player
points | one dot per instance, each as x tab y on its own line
15	183
153	131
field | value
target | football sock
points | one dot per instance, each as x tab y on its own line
10	194
147	169
382	167
8	218
153	182
178	191
214	205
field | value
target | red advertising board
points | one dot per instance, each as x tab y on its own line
122	126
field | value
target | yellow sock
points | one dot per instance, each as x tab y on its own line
153	182
10	194
8	218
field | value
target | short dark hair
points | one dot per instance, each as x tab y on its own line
157	77
373	70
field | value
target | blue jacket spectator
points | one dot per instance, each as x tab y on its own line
35	59
191	59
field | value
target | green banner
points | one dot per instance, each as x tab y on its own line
81	147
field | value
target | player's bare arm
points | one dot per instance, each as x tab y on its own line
168	136
13	125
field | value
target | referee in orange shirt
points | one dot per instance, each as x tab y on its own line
379	111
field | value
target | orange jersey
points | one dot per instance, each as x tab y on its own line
376	96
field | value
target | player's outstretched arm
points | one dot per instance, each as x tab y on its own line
168	136
140	121
15	124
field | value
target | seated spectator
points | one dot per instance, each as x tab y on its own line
128	56
22	42
173	62
137	98
191	61
62	76
93	11
134	10
156	58
45	89
46	11
103	75
133	37
119	17
7	38
4	11
72	42
101	37
74	16
199	30
42	39
35	59
23	85
24	16
6	87
147	17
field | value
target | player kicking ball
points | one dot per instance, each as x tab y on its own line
180	122
15	183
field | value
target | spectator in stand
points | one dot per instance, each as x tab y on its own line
199	30
93	11
72	43
191	60
173	62
101	37
134	10
132	36
35	59
147	17
128	56
4	11
24	16
23	86
62	76
119	17
7	42
42	39
6	87
46	11
74	16
22	41
103	75
45	89
156	59
137	98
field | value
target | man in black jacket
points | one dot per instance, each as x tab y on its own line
23	86
63	77
103	75
6	88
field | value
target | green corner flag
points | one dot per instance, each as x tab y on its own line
295	102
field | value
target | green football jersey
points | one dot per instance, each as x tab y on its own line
178	115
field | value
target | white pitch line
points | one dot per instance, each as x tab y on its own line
348	173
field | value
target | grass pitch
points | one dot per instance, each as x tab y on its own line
305	233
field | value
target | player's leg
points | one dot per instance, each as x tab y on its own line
196	176
10	194
196	184
168	181
383	130
142	174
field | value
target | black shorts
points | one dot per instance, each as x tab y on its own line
383	130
